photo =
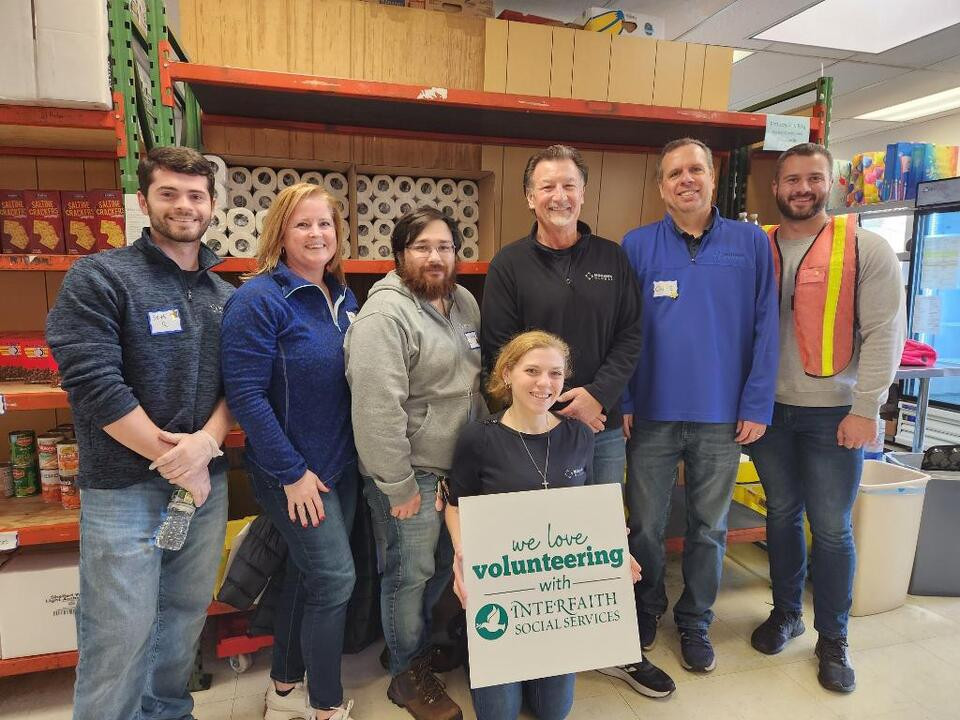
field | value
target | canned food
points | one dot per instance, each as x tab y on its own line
68	458
23	447
50	485
47	450
24	480
6	480
69	492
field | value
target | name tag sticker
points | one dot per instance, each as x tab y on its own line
471	336
811	275
665	288
164	321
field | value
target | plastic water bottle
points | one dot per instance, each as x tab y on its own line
172	533
873	450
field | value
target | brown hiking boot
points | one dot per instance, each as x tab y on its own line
422	694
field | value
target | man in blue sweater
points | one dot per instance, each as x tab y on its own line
136	333
703	386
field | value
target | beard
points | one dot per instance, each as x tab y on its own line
425	287
819	203
184	235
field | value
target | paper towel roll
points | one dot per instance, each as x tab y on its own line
448	208
241	220
425	202
220	168
287	177
264	178
382	250
467	190
404	187
242	244
468	212
364	209
365	247
344	249
469	232
342	205
345	232
383	229
239	178
240	198
221	196
364	230
336	184
218	220
217	241
426	188
364	186
405	205
469	251
384	208
446	189
263	199
312	177
383	186
260	219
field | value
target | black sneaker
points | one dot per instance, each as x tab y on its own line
776	631
647	625
645	677
696	651
835	671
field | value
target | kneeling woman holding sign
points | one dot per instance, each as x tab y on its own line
526	447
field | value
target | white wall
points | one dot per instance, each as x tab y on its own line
943	131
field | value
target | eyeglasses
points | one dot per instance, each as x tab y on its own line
425	249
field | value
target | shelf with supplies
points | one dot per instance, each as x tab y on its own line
67	132
401	110
61	263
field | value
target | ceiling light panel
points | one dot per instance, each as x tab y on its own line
867	28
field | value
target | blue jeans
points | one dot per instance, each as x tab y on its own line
609	457
142	609
418	567
549	698
802	468
310	617
711	458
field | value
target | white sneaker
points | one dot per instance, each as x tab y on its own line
292	706
342	713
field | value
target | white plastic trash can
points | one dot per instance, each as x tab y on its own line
886	522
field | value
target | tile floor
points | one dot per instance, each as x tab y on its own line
907	664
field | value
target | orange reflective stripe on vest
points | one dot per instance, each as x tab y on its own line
824	300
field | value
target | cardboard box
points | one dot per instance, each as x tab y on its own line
72	51
14	231
44	222
473	8
39	589
18	71
110	219
26	357
79	222
11	365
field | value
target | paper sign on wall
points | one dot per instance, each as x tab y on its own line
785	131
547	575
926	314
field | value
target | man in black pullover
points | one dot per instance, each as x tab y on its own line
564	279
136	333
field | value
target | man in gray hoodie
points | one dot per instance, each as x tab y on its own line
413	364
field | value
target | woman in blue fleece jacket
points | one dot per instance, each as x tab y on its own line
283	374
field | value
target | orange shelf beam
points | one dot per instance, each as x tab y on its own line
61	263
23	396
57	117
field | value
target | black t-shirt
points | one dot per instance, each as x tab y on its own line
490	458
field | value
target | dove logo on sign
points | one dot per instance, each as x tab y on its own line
491	621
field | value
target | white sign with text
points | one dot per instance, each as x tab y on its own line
547	577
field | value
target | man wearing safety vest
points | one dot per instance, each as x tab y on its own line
842	327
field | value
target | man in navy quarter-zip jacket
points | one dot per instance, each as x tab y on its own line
704	385
136	333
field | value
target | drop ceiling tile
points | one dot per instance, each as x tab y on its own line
912	85
921	52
